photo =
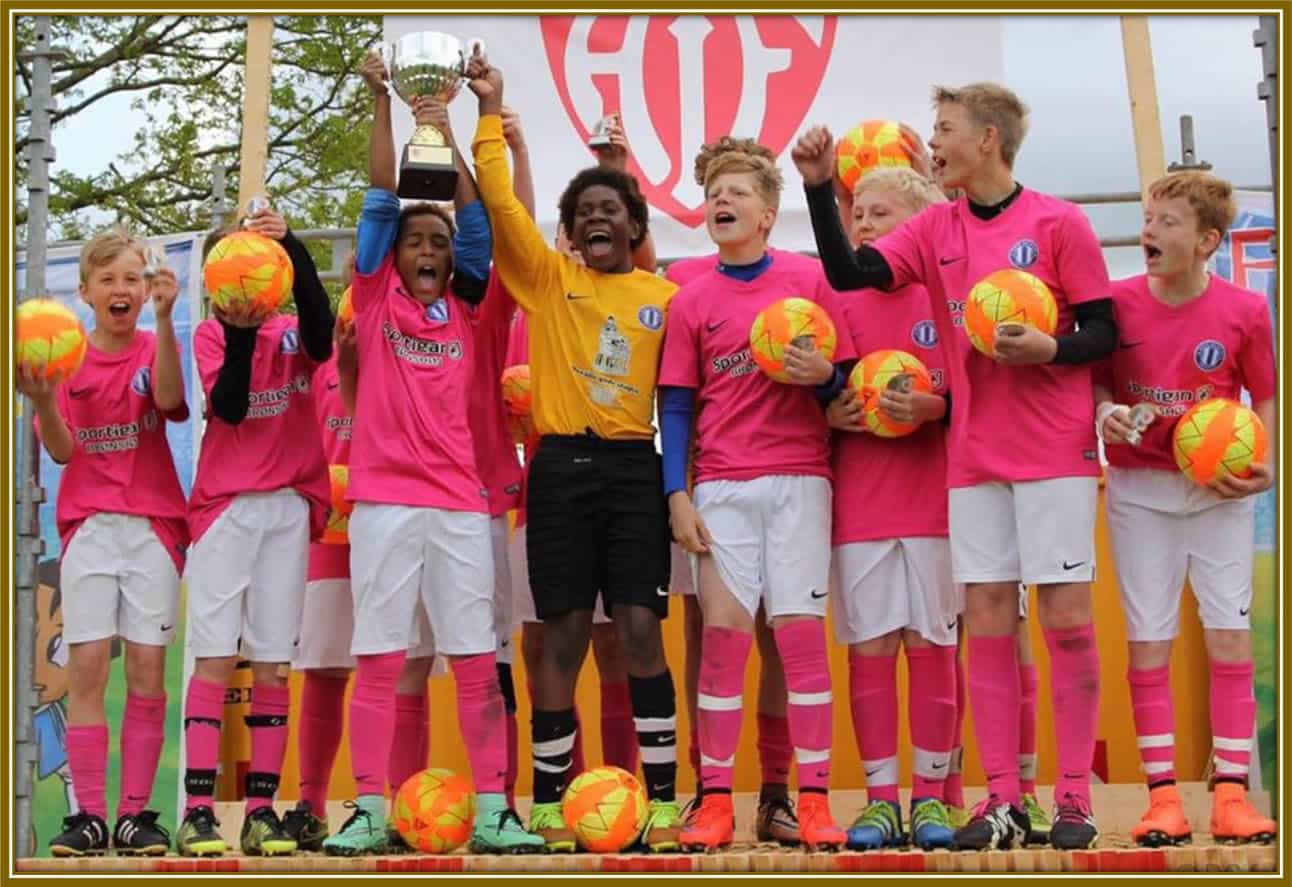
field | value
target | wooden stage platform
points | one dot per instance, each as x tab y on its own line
1117	808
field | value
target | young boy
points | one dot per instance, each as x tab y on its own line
256	505
761	519
597	525
1186	335
120	515
1022	460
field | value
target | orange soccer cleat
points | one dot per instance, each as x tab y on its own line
817	829
1165	822
1233	818
713	825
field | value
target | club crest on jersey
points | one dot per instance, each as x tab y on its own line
1209	355
142	381
651	317
438	311
1024	253
677	80
925	334
291	342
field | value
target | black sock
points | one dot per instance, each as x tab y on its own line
552	734
507	686
655	715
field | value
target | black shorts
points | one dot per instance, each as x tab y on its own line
598	524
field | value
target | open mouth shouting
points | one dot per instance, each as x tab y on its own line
598	242
119	307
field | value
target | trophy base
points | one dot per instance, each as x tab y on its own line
427	172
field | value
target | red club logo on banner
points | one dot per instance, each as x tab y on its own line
681	81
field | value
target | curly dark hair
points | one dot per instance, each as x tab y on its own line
623	183
442	213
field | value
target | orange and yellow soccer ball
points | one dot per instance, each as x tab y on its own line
516	392
871	376
789	321
868	145
345	308
605	807
50	335
247	271
1008	296
1217	437
434	811
338	518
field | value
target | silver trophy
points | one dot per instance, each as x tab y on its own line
257	204
1141	416
600	137
154	260
428	63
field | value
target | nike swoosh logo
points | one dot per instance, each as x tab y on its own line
951	626
658	788
332	385
662	592
1125	344
572	296
714	327
167	627
1068	566
946	261
665	740
870	773
1244	611
939	766
81	392
815	595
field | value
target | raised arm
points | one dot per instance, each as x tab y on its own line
521	171
615	156
381	144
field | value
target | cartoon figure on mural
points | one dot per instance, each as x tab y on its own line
50	722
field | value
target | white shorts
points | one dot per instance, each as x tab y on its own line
523	595
889	584
1163	527
327	626
771	541
116	579
504	603
400	555
1039	532
246	578
681	571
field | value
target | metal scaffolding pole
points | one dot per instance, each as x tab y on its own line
30	494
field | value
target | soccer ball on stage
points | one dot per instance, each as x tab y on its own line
868	145
874	373
1216	437
249	272
434	811
338	518
1008	296
792	321
605	807
50	334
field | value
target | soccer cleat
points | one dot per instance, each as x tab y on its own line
1074	824
1233	818
84	834
690	809
546	821
712	827
930	824
878	825
263	834
362	833
993	825
957	816
306	829
197	835
140	835
498	829
1165	822
776	821
817	830
663	825
1038	831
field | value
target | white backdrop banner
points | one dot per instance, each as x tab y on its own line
679	81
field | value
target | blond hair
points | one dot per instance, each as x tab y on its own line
768	181
915	191
105	246
1210	197
990	104
725	145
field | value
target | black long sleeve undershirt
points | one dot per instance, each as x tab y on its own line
844	268
313	312
231	392
1095	337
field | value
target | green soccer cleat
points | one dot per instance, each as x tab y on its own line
499	830
546	821
663	826
958	816
364	832
878	825
263	834
1038	824
197	835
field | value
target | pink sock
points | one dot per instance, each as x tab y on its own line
482	715
1154	722
618	733
993	693
720	703
1027	728
932	715
372	705
203	714
318	735
775	750
1074	689
87	756
513	758
268	725
953	790
143	731
1233	713
872	692
410	725
807	678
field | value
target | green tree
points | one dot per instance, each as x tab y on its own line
184	77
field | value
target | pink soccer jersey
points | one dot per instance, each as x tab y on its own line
1008	423
491	322
122	462
683	271
892	488
331	560
748	425
270	449
1173	356
412	441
